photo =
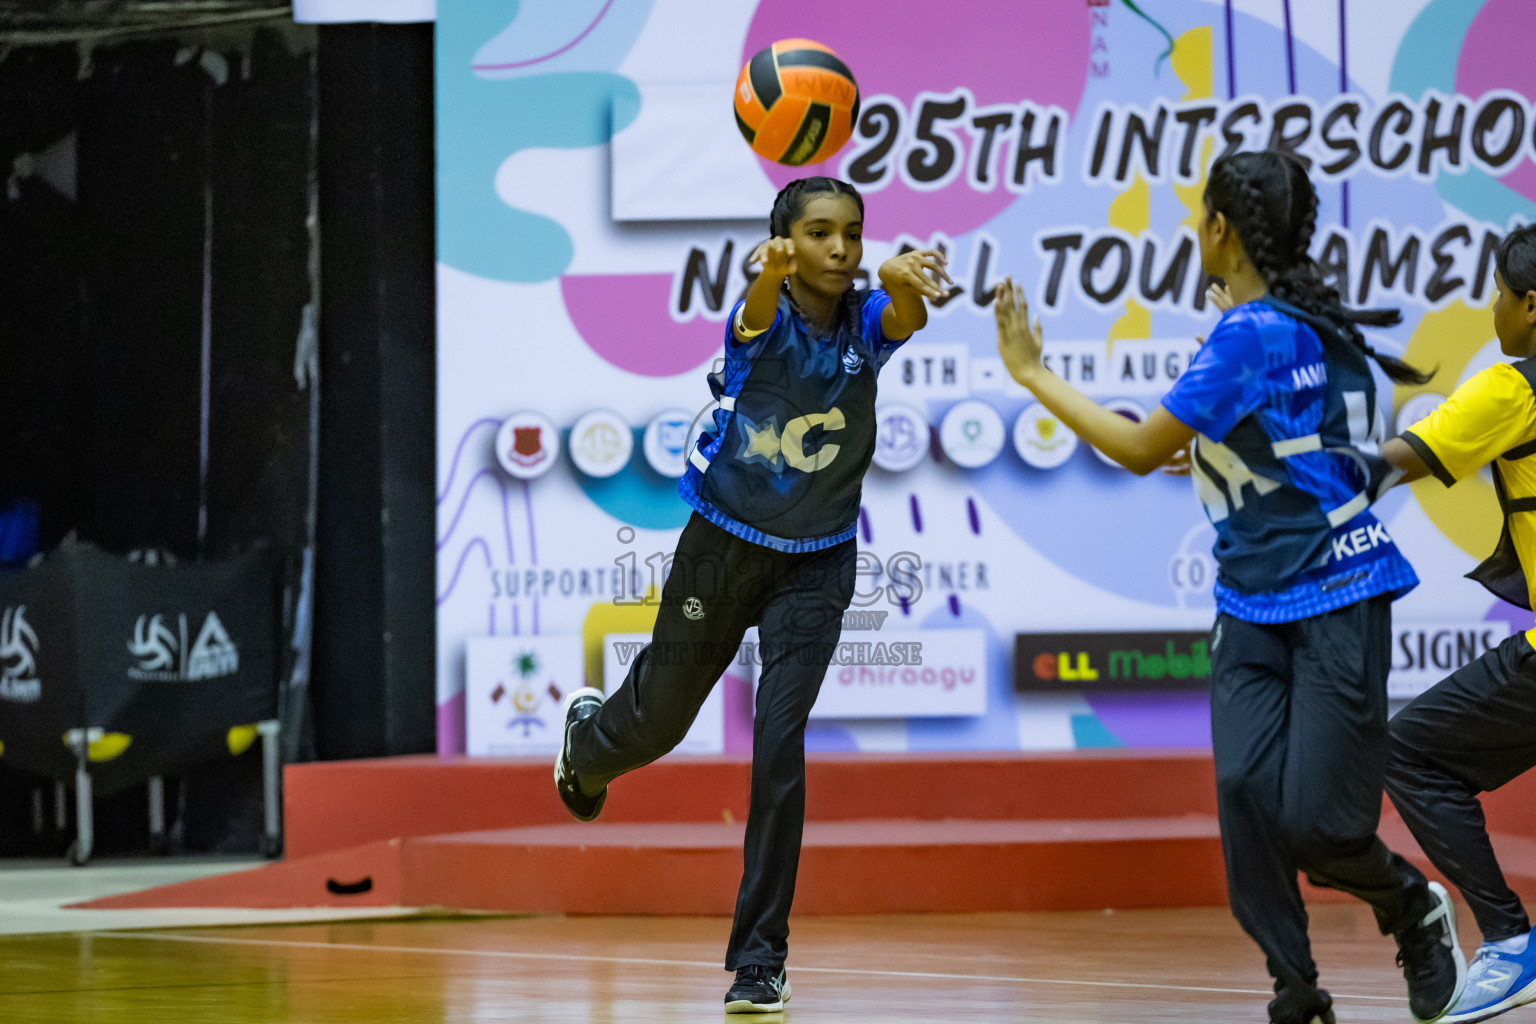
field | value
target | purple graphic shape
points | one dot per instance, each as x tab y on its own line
738	713
1175	718
506	512
864	525
450	726
1231	55
484	550
970	508
954	605
553	53
623	318
453	467
1493	57
917	513
533	549
1290	50
1516	617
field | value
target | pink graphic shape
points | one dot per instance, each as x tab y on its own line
1494	55
450	726
1027	51
623	318
738	713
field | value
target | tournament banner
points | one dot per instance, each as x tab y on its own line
596	206
167	666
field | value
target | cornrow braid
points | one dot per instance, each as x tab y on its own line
788	207
1273	207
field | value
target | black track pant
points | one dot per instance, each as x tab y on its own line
1471	732
718	586
1299	727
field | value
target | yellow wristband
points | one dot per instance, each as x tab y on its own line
741	328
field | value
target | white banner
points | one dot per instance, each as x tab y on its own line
1423	653
513	690
707	734
907	674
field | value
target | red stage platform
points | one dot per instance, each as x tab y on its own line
887	833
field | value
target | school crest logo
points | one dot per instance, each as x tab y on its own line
852	361
527	448
527	445
693	609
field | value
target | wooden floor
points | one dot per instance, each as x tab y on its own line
1145	966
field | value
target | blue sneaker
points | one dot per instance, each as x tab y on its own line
1496	981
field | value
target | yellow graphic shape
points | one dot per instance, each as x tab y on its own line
605	617
1131	212
763	442
109	746
1191	62
2	749
1468	513
240	739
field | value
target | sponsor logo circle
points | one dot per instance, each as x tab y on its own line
1131	411
1416	408
1042	440
667	439
527	445
601	443
901	437
972	433
693	609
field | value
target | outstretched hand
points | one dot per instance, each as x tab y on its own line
918	271
1218	296
777	256
1020	341
1180	463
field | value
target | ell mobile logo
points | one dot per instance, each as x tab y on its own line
1129	661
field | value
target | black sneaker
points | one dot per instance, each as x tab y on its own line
1431	959
580	705
1314	1006
758	989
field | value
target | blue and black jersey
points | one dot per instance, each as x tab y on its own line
1286	464
784	463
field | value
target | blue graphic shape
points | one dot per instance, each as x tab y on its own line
570	101
1088	731
829	739
549	36
637	494
1426	61
998	729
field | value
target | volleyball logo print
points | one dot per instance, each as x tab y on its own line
18	658
164	654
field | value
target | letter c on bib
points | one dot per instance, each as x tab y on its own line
794	440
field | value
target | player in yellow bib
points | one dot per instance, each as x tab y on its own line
1476	729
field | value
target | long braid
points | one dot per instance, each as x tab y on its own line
1273	207
788	206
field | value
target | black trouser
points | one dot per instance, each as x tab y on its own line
1471	732
797	603
1299	727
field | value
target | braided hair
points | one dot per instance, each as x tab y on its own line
1272	206
789	206
1516	260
